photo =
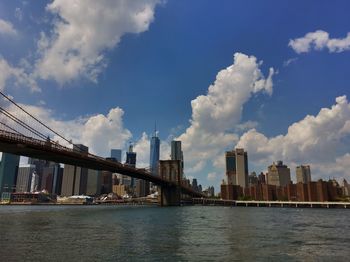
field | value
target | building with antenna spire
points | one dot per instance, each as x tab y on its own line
154	152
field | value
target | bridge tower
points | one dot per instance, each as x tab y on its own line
170	170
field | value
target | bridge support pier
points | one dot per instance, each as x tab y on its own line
169	196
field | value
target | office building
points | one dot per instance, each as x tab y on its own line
131	161
253	179
106	182
94	180
176	152
278	174
142	188
303	174
24	178
117	154
39	167
74	180
194	184
154	154
8	172
51	179
237	167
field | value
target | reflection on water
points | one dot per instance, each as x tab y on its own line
115	233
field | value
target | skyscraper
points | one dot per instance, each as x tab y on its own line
117	154
24	178
51	179
131	161
303	174
8	172
131	156
74	180
154	153
278	174
177	154
237	167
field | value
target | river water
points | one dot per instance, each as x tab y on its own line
192	233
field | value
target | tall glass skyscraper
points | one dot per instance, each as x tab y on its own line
117	154
131	161
8	172
154	154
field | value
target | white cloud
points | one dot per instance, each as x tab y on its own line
83	31
320	140
319	40
6	28
99	132
213	176
19	14
290	61
217	114
20	77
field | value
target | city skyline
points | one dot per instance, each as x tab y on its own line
292	107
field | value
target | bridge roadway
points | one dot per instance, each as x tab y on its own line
31	147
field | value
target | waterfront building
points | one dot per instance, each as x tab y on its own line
8	172
231	192
303	174
106	184
51	179
346	188
142	188
302	192
278	174
34	185
120	190
74	180
154	153
117	154
24	178
93	186
237	167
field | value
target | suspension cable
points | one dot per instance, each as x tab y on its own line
12	129
21	123
14	103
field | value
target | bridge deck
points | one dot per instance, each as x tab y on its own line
30	147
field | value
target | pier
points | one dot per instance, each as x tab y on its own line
253	203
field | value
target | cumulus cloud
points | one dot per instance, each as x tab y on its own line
99	132
319	40
217	114
6	28
20	77
83	31
321	140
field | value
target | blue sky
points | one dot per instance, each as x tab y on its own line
154	65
